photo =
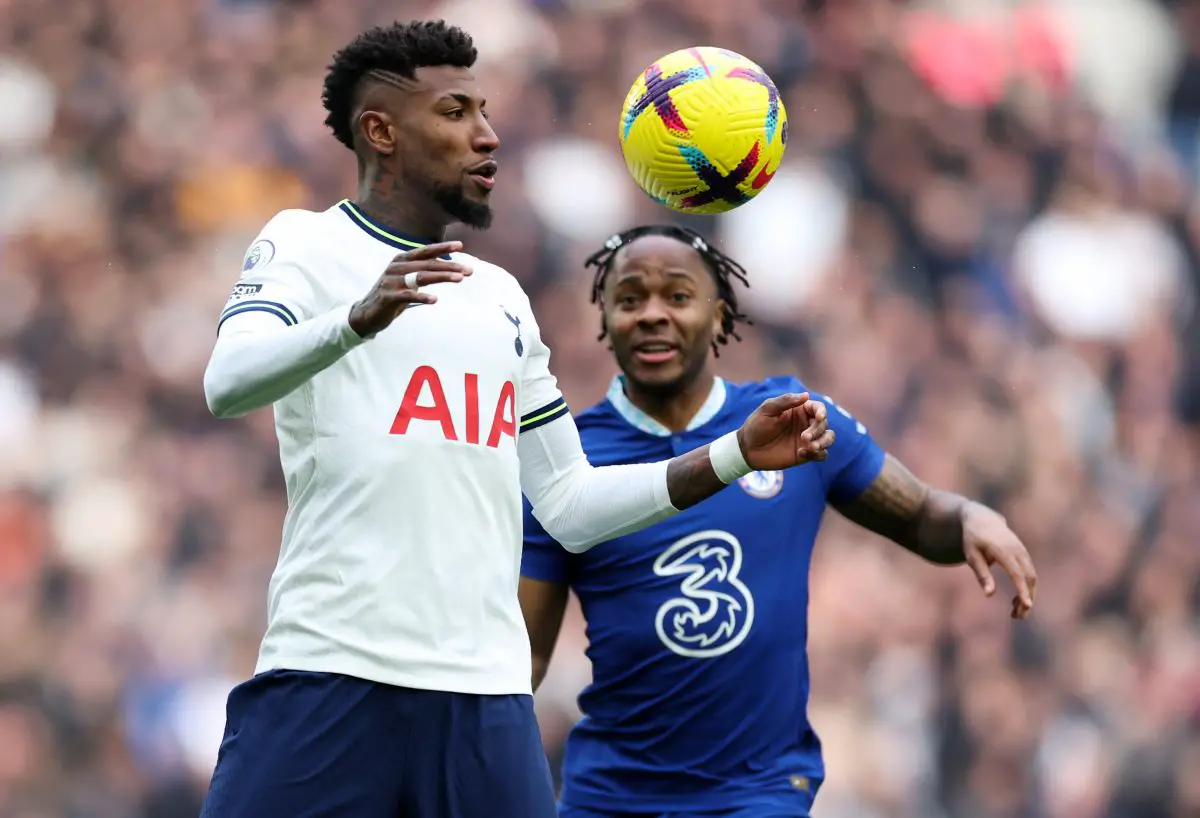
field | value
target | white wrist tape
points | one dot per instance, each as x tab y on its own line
725	454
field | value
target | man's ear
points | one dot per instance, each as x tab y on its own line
719	316
377	130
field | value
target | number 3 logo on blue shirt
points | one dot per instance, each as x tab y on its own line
715	610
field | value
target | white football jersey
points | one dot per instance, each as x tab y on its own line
402	543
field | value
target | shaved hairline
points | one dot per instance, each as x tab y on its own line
375	76
393	79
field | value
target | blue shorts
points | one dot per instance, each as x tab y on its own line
303	745
752	812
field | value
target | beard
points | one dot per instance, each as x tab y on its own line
451	199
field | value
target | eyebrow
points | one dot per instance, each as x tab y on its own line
461	98
631	277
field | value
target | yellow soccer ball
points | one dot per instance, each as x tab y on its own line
703	130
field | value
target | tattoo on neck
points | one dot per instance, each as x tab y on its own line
380	201
383	184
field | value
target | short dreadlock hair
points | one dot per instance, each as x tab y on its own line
400	48
724	271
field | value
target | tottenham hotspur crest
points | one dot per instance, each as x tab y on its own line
518	344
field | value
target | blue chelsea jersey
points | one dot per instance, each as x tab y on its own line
696	626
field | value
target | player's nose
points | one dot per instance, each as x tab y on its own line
485	140
653	312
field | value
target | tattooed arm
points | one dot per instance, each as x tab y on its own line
901	507
944	528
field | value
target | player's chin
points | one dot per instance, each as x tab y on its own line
473	213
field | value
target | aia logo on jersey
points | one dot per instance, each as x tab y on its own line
762	485
425	400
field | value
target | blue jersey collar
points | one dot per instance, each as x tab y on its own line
640	420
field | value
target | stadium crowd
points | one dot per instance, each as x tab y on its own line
985	241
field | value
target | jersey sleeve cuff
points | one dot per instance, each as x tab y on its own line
347	337
858	476
544	568
551	411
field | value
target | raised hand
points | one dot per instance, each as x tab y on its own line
400	286
786	431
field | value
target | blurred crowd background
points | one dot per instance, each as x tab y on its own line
985	241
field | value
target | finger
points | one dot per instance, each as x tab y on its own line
402	297
399	269
818	449
817	427
776	406
422	279
1021	609
983	572
402	283
1016	573
815	430
1030	574
823	441
816	410
429	251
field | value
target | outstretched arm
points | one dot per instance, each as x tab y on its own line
903	508
581	506
944	528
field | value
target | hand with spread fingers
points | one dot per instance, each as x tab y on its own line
400	285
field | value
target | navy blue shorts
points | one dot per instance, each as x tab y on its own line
751	812
302	745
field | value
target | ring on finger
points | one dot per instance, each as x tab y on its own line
411	280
